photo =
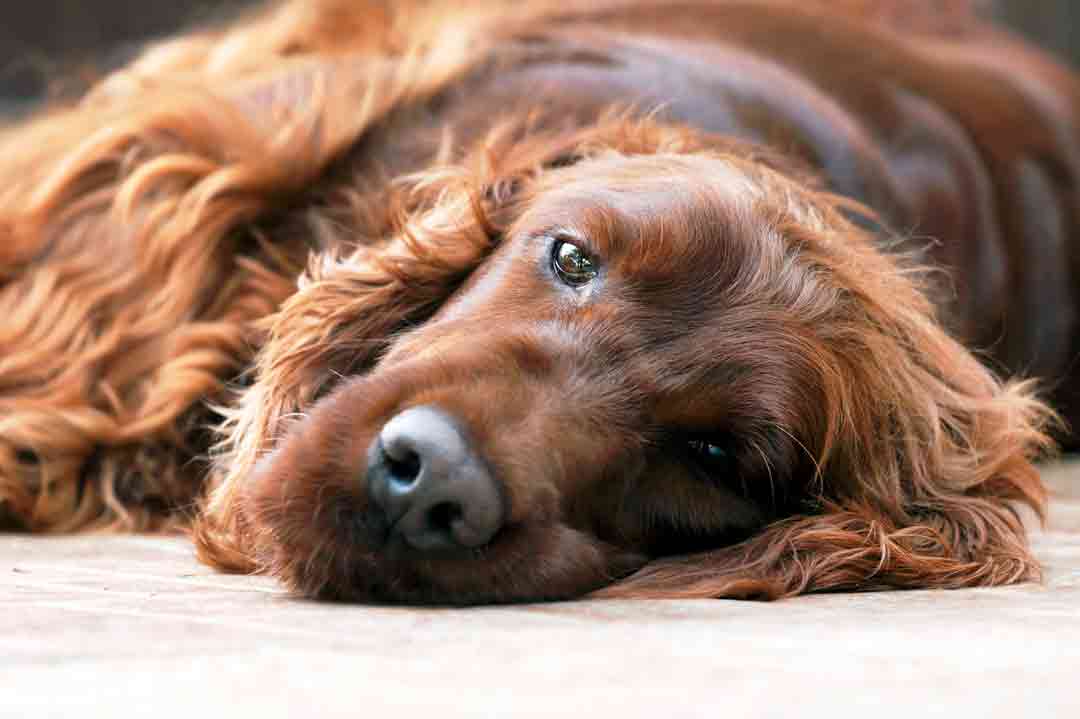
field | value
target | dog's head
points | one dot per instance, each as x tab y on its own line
646	362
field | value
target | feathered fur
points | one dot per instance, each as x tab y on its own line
230	254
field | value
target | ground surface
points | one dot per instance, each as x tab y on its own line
133	626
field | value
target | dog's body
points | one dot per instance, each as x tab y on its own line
714	378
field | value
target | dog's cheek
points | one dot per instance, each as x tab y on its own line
305	505
667	508
572	564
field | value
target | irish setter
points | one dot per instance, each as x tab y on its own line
417	302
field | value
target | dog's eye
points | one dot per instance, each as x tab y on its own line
573	265
710	453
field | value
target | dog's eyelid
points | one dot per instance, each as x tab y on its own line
556	234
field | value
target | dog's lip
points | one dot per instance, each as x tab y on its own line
394	547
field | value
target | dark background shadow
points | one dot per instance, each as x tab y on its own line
42	40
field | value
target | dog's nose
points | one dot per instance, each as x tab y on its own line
435	492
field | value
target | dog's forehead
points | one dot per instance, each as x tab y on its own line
615	200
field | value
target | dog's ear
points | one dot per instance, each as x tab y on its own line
927	501
923	457
156	204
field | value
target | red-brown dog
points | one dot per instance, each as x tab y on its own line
511	302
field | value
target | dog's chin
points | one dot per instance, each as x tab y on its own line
521	564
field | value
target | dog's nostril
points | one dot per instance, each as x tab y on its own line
404	468
442	516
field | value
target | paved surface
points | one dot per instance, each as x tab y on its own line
133	626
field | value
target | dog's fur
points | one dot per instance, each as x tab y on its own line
292	229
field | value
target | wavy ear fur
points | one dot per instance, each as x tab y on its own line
138	254
128	289
922	462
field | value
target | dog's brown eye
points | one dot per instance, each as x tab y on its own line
573	265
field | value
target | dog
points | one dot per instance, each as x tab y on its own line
440	303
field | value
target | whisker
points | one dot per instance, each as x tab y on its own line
817	465
768	473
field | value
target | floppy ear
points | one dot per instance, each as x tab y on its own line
923	459
133	268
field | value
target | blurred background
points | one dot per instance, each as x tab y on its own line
41	40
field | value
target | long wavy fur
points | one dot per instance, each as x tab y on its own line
150	244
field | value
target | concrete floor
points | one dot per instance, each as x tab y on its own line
133	626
